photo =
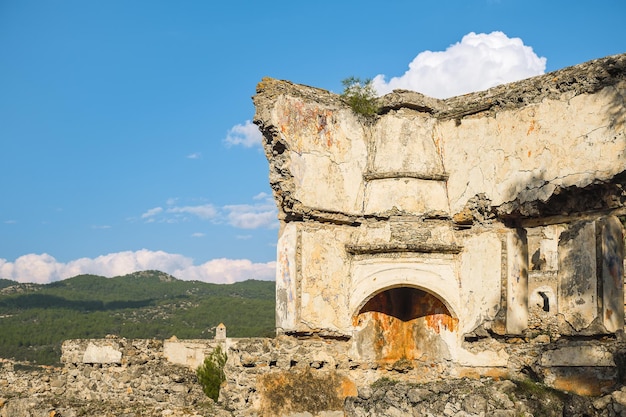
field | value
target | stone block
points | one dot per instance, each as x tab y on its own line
611	251
99	353
517	282
578	356
578	281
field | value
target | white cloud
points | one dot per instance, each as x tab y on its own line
44	268
101	227
31	268
204	211
227	271
247	135
195	155
152	212
198	234
262	213
247	216
263	196
478	62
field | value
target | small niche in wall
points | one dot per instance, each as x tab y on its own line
546	301
543	299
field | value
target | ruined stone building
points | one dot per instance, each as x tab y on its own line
482	235
447	231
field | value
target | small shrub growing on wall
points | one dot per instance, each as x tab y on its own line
211	373
360	96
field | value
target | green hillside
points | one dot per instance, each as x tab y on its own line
6	283
35	319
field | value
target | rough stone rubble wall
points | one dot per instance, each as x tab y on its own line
285	376
104	377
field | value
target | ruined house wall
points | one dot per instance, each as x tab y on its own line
495	213
285	376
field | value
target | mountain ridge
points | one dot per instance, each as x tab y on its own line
36	318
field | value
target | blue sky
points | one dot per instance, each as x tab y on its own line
124	142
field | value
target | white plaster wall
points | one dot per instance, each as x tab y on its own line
328	153
572	141
189	353
517	282
403	142
481	277
107	352
577	276
409	195
324	287
611	272
520	153
286	278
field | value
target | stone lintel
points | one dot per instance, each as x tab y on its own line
561	219
409	247
371	176
578	356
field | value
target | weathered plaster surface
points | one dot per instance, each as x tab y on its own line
500	211
527	153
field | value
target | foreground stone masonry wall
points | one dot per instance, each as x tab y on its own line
289	377
285	376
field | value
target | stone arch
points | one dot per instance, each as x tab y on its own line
403	294
405	303
372	279
404	320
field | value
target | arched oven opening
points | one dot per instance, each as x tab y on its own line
403	323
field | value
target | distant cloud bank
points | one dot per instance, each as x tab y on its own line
44	268
261	214
480	61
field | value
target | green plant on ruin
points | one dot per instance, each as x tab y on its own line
360	96
541	399
383	382
211	373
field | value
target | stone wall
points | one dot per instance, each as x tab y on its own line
286	376
281	375
111	377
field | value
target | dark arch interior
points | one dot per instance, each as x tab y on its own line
405	304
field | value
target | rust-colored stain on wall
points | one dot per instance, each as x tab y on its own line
303	390
584	381
531	127
404	323
300	120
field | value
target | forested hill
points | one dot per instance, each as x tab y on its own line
35	318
